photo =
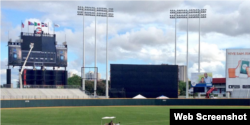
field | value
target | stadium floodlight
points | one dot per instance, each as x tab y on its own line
81	12
109	13
185	13
174	16
100	12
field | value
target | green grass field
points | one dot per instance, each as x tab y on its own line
144	115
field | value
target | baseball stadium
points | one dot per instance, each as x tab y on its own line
46	92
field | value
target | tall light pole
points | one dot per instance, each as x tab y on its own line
108	13
200	16
105	12
96	75
182	14
82	12
174	12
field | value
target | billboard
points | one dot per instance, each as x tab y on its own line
237	69
15	55
204	79
61	57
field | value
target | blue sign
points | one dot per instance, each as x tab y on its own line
203	85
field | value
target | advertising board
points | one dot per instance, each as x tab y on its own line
237	69
204	79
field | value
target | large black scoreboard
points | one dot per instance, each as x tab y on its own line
150	81
45	52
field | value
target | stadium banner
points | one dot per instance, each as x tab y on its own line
209	116
237	69
201	79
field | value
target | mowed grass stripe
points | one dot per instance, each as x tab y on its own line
128	115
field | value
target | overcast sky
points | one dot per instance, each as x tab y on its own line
140	32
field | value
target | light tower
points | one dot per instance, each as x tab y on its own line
100	12
186	14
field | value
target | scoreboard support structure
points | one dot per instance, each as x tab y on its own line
45	53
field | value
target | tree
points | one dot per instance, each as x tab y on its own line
182	87
89	84
74	80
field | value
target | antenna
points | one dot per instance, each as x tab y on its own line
65	43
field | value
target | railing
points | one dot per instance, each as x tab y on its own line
41	97
28	34
6	86
236	93
45	86
90	95
53	86
48	35
44	34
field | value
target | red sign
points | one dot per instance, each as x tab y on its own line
38	30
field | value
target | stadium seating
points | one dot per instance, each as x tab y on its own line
7	93
240	93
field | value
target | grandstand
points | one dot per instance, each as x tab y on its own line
8	93
240	93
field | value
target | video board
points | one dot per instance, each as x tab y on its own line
150	81
45	51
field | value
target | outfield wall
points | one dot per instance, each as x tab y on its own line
121	102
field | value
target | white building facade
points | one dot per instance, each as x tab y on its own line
91	76
182	73
70	74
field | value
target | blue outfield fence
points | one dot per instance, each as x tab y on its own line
122	102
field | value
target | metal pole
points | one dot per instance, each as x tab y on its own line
205	88
199	44
107	58
21	71
96	76
187	60
83	62
175	37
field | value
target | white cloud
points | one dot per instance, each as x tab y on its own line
141	31
3	71
233	22
216	67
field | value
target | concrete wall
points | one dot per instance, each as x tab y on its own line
121	102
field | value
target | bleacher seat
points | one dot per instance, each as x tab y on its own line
8	93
